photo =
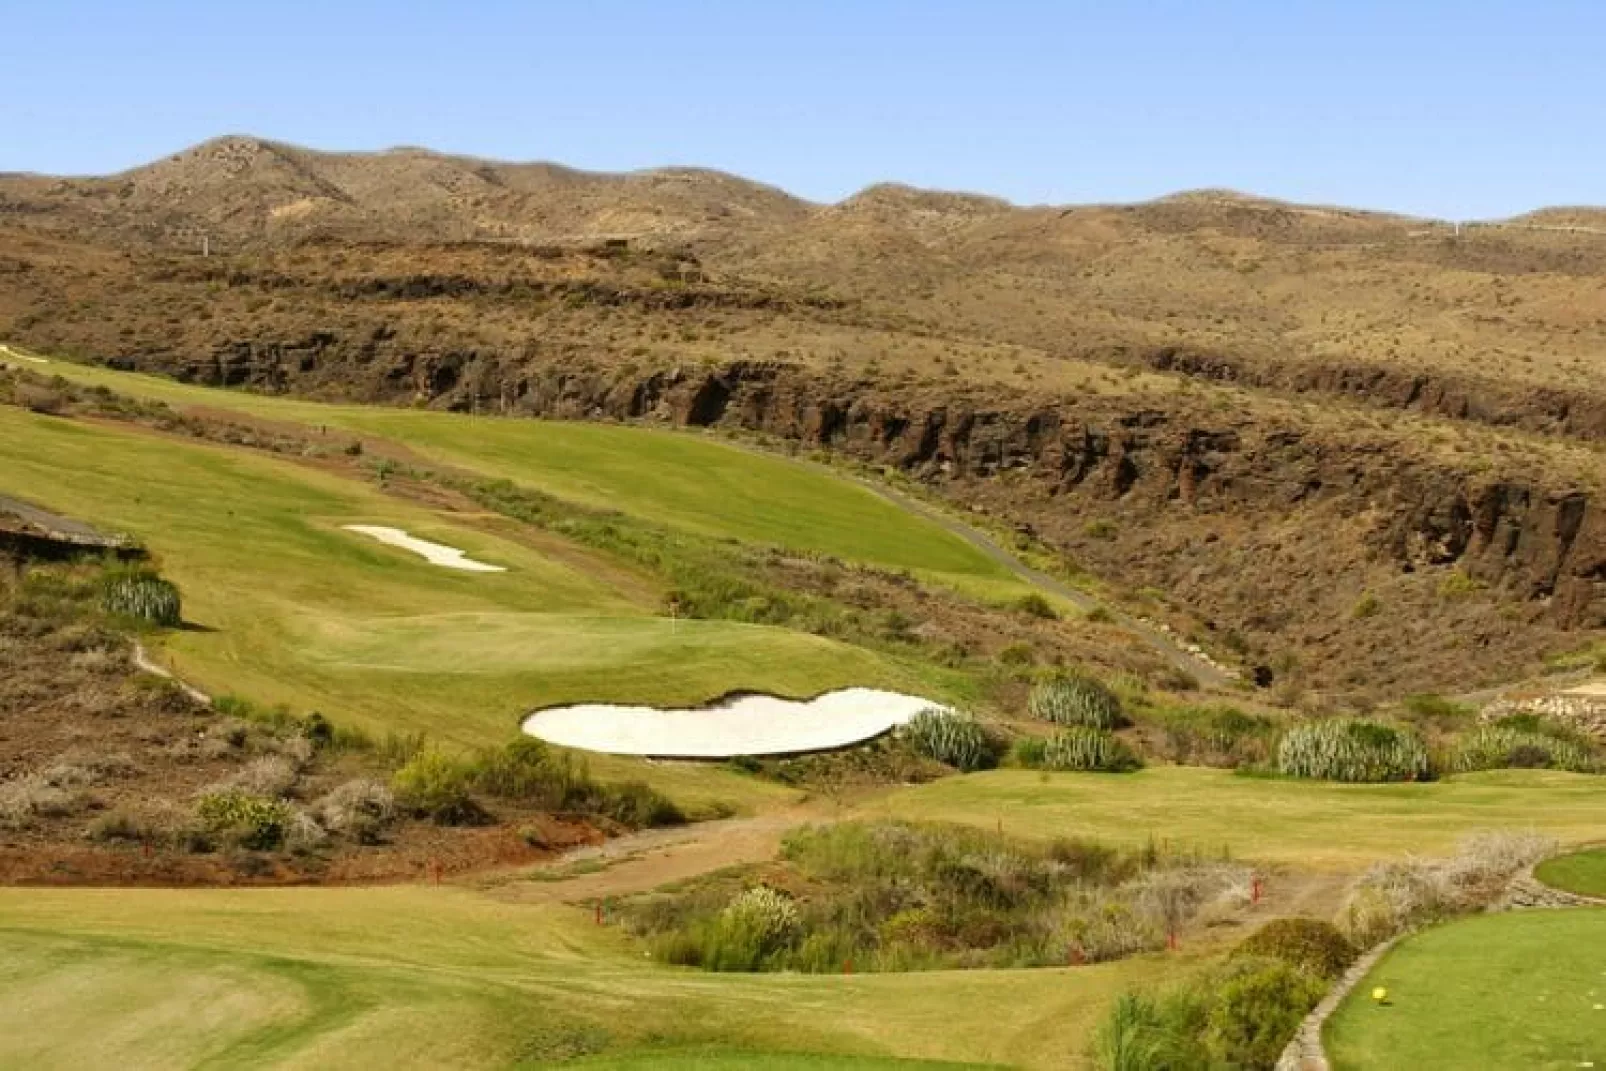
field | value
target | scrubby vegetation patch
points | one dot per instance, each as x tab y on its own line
888	896
1352	749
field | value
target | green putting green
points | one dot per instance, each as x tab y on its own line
1583	873
1523	989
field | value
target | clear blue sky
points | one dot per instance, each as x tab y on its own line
1454	109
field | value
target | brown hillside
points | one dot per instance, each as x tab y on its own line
1267	413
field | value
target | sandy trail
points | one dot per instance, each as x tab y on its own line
434	553
11	354
645	861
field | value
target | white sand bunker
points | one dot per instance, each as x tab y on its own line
744	725
434	553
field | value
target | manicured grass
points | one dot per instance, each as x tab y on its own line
712	1059
420	976
1523	989
1583	873
678	478
290	608
1312	824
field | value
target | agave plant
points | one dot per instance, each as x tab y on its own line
1494	747
1351	749
1082	748
144	595
1076	700
954	739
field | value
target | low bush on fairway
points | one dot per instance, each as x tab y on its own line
1077	748
1312	945
1352	749
1221	736
447	788
259	823
890	896
1240	1015
1494	747
1076	700
953	739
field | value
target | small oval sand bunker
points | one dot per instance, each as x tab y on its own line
743	725
434	553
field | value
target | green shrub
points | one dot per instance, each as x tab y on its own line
253	822
637	804
1459	585
1312	945
1081	748
521	770
769	914
1351	749
1366	606
1256	1010
1035	605
1017	654
1144	1033
1028	751
1215	735
1495	747
434	785
1076	700
142	595
950	738
1436	708
755	925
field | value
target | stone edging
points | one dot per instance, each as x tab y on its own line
1522	892
1305	1052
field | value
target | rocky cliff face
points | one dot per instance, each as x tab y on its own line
1054	464
1548	410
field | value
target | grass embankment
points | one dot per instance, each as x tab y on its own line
1303	823
451	977
678	478
287	607
1521	989
1583	873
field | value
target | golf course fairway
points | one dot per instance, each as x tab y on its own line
432	977
1524	989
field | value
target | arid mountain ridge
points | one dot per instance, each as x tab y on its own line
1264	415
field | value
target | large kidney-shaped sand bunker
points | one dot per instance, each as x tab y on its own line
742	725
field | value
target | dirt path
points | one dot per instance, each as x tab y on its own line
143	661
644	861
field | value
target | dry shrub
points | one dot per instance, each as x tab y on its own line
1137	915
302	832
39	399
270	776
1394	897
31	797
360	809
